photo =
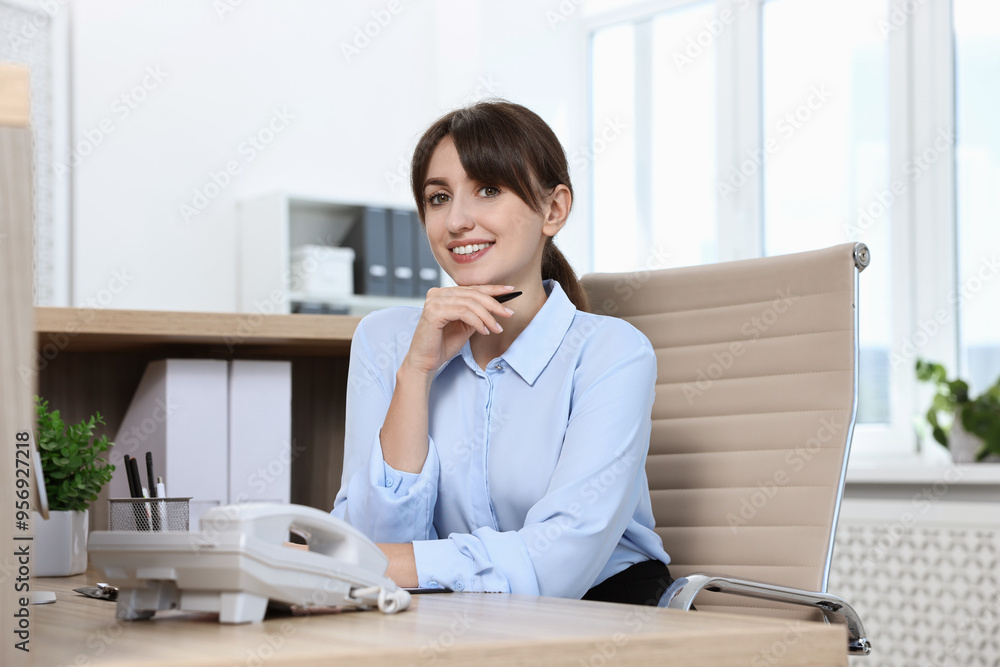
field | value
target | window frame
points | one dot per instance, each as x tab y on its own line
923	221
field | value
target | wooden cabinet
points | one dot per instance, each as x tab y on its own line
92	360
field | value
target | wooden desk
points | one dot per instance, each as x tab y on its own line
234	335
92	360
448	629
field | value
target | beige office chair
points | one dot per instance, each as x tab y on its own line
756	396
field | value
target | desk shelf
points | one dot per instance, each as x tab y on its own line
92	360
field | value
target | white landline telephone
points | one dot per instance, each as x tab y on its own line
238	562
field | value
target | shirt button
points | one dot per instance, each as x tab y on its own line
498	367
433	584
458	586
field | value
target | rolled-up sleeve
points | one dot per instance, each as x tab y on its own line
385	504
570	533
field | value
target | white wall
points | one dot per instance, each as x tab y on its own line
220	77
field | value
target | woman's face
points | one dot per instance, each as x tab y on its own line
481	233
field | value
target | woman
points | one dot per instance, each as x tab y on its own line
501	446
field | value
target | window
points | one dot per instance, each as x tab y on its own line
816	123
612	155
682	201
826	175
977	99
648	81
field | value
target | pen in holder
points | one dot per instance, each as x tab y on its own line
148	514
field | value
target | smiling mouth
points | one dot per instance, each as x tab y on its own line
469	249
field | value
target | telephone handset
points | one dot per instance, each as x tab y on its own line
325	534
237	563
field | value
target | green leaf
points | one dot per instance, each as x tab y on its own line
960	390
980	416
73	473
942	403
930	372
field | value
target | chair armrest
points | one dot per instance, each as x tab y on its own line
682	592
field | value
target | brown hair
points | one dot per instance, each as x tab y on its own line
505	144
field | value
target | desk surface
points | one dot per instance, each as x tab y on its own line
445	629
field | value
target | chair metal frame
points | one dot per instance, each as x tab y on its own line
681	594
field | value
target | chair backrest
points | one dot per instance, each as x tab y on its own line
756	397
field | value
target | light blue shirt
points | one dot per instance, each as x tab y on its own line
535	479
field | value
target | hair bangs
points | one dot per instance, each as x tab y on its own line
493	152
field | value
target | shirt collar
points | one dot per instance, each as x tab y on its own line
534	347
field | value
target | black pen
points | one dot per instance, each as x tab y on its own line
141	511
149	475
131	479
134	465
135	490
504	298
154	513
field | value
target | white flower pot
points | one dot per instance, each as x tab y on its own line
964	445
60	544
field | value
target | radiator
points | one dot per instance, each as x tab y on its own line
924	575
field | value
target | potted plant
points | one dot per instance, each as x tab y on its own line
74	474
969	427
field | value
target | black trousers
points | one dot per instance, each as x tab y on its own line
643	583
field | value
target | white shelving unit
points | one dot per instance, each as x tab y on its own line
269	227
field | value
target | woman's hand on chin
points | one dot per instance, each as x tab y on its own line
449	318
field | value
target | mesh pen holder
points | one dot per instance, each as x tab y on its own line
149	514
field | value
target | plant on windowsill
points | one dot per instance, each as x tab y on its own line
969	427
74	474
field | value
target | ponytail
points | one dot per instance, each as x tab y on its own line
556	267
